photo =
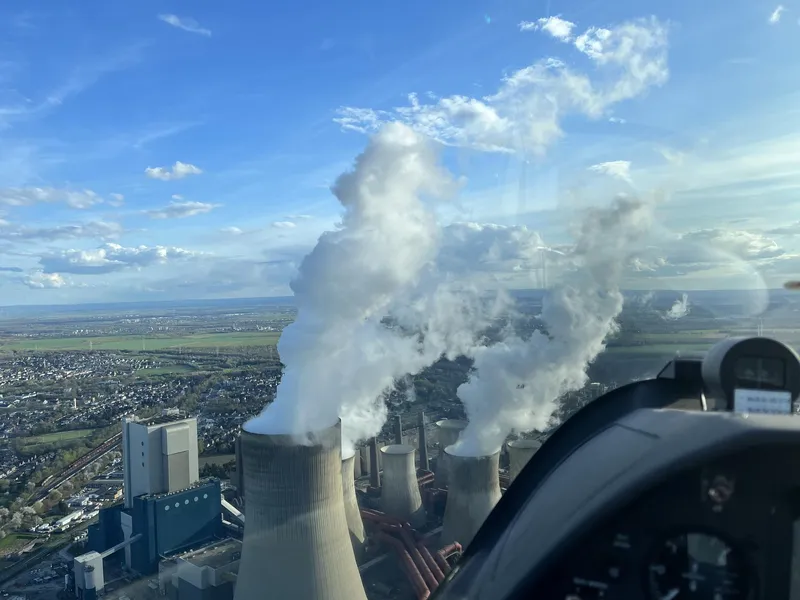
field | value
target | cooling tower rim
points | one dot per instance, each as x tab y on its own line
524	444
348	454
458	424
327	437
466	457
394	449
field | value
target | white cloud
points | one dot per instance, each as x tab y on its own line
299	217
525	113
109	258
38	280
93	229
284	225
185	23
776	14
555	26
179	171
177	197
616	120
34	195
116	200
619	169
179	210
232	230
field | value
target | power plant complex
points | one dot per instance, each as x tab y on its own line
298	520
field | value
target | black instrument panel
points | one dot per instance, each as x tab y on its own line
720	532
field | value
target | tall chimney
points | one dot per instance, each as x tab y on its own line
398	429
374	465
474	490
364	452
400	495
519	453
423	442
296	542
449	430
351	509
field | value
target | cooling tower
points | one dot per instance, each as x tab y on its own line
296	542
474	490
351	509
400	497
448	432
519	453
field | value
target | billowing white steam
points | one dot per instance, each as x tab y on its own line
679	309
339	357
517	383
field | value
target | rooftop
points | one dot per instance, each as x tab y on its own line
216	554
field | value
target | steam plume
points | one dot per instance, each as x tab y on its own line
339	356
679	309
517	383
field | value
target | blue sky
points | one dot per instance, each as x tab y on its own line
156	150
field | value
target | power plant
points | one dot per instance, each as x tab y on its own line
519	453
474	489
400	497
448	432
296	540
354	522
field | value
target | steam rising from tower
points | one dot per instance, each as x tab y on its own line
517	382
296	541
340	358
474	490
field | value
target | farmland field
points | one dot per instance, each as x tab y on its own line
130	342
58	436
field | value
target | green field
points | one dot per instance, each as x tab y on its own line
58	436
135	342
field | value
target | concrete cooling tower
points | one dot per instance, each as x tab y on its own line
474	490
448	432
519	453
296	542
400	497
351	509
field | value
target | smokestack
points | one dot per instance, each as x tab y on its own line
374	465
449	430
519	453
296	542
364	452
400	495
398	429
423	442
351	509
474	490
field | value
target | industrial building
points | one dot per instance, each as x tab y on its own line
205	574
159	456
167	509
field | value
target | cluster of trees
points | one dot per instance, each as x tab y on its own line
220	471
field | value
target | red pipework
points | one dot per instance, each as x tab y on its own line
424	479
414	576
431	562
449	550
423	567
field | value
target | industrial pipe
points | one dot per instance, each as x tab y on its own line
442	555
431	562
414	576
423	566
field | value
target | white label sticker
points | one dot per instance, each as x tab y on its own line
762	401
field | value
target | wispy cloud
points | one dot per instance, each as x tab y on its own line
619	169
776	14
102	230
555	26
180	210
109	258
284	225
526	111
178	171
35	195
185	23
